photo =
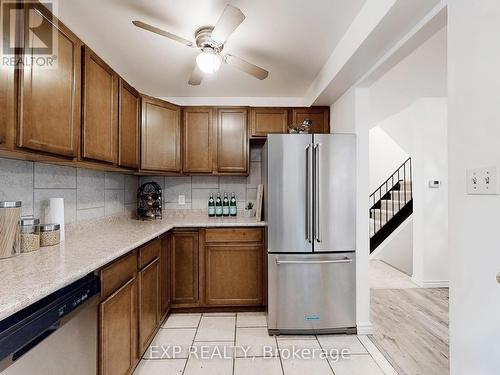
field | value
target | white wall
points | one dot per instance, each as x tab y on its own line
349	114
385	156
421	130
421	74
397	249
431	254
474	140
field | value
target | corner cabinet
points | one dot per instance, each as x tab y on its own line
129	105
198	139
160	136
100	109
49	98
232	140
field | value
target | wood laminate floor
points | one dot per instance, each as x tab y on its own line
411	329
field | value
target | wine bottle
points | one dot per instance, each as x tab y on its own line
225	205
232	205
211	205
218	205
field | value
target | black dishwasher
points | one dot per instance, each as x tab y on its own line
25	329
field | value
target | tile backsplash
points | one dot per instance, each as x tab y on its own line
90	194
87	193
197	189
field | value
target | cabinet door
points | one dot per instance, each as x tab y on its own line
160	147
185	268
264	121
165	275
149	303
320	117
118	331
100	109
197	134
49	98
233	274
232	140
128	126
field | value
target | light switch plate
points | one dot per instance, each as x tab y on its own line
482	181
182	200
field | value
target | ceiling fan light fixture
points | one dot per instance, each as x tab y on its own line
208	61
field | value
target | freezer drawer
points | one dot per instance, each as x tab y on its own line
312	293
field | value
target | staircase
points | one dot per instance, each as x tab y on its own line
391	204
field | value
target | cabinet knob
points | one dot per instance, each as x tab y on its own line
498	277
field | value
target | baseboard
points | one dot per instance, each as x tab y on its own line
435	284
365	328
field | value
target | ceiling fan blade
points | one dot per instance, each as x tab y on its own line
161	32
230	19
196	76
247	67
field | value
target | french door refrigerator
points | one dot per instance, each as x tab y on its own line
310	207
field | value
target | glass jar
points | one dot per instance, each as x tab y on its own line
49	234
30	234
10	214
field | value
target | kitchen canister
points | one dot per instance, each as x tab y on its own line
30	234
55	214
49	234
10	241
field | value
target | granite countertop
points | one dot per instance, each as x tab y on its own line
29	277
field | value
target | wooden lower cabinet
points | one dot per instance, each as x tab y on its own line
149	303
118	331
185	266
233	274
165	275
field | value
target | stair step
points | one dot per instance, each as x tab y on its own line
382	215
404	184
401	195
392	204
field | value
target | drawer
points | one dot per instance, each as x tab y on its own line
149	252
115	275
234	235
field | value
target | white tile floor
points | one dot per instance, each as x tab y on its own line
238	344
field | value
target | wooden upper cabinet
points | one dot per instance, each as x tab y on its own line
232	140
264	121
100	109
320	117
128	126
49	97
161	136
198	139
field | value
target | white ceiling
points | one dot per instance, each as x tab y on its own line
290	38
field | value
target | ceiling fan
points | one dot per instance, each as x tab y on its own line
210	40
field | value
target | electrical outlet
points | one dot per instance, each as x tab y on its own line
182	200
482	181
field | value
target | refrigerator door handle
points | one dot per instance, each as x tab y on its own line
308	194
317	233
345	260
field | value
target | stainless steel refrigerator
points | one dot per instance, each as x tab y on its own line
310	207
